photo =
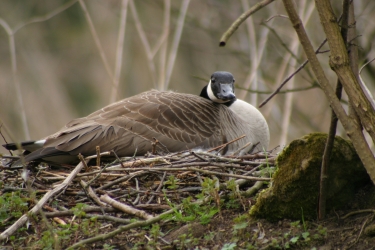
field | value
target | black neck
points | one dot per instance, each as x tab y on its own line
205	95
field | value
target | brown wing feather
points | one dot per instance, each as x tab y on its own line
180	121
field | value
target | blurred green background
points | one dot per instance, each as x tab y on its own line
60	75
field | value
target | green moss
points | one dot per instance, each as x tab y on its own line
295	185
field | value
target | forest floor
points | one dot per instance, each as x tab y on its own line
180	201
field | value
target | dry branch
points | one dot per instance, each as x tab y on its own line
351	127
101	237
291	76
339	62
119	51
23	219
125	208
92	194
227	34
97	41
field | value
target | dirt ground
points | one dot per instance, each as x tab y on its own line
353	232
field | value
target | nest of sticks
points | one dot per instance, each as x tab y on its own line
141	188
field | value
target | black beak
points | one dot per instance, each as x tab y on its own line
226	92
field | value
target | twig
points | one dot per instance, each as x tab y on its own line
332	128
313	86
290	77
274	16
97	156
88	209
362	227
97	216
90	192
119	180
80	157
119	50
225	174
176	42
146	45
135	202
364	65
199	157
363	85
13	59
358	212
153	206
45	17
125	208
227	34
157	142
158	188
225	144
101	237
241	148
219	158
22	220
153	220
139	162
97	41
283	44
153	145
252	190
162	43
119	160
5	140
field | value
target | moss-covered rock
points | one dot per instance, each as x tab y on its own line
295	187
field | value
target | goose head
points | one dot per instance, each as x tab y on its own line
220	88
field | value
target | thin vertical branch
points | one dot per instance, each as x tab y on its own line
332	129
13	60
164	46
307	8
12	50
146	45
254	57
119	50
176	41
12	47
96	40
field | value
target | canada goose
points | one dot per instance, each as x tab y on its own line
177	121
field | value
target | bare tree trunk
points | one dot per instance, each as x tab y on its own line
352	128
332	127
339	62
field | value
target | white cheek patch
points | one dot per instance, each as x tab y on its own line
212	96
40	142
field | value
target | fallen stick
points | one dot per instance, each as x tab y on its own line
204	171
120	229
90	192
125	208
23	219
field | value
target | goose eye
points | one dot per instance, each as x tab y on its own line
213	80
234	80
